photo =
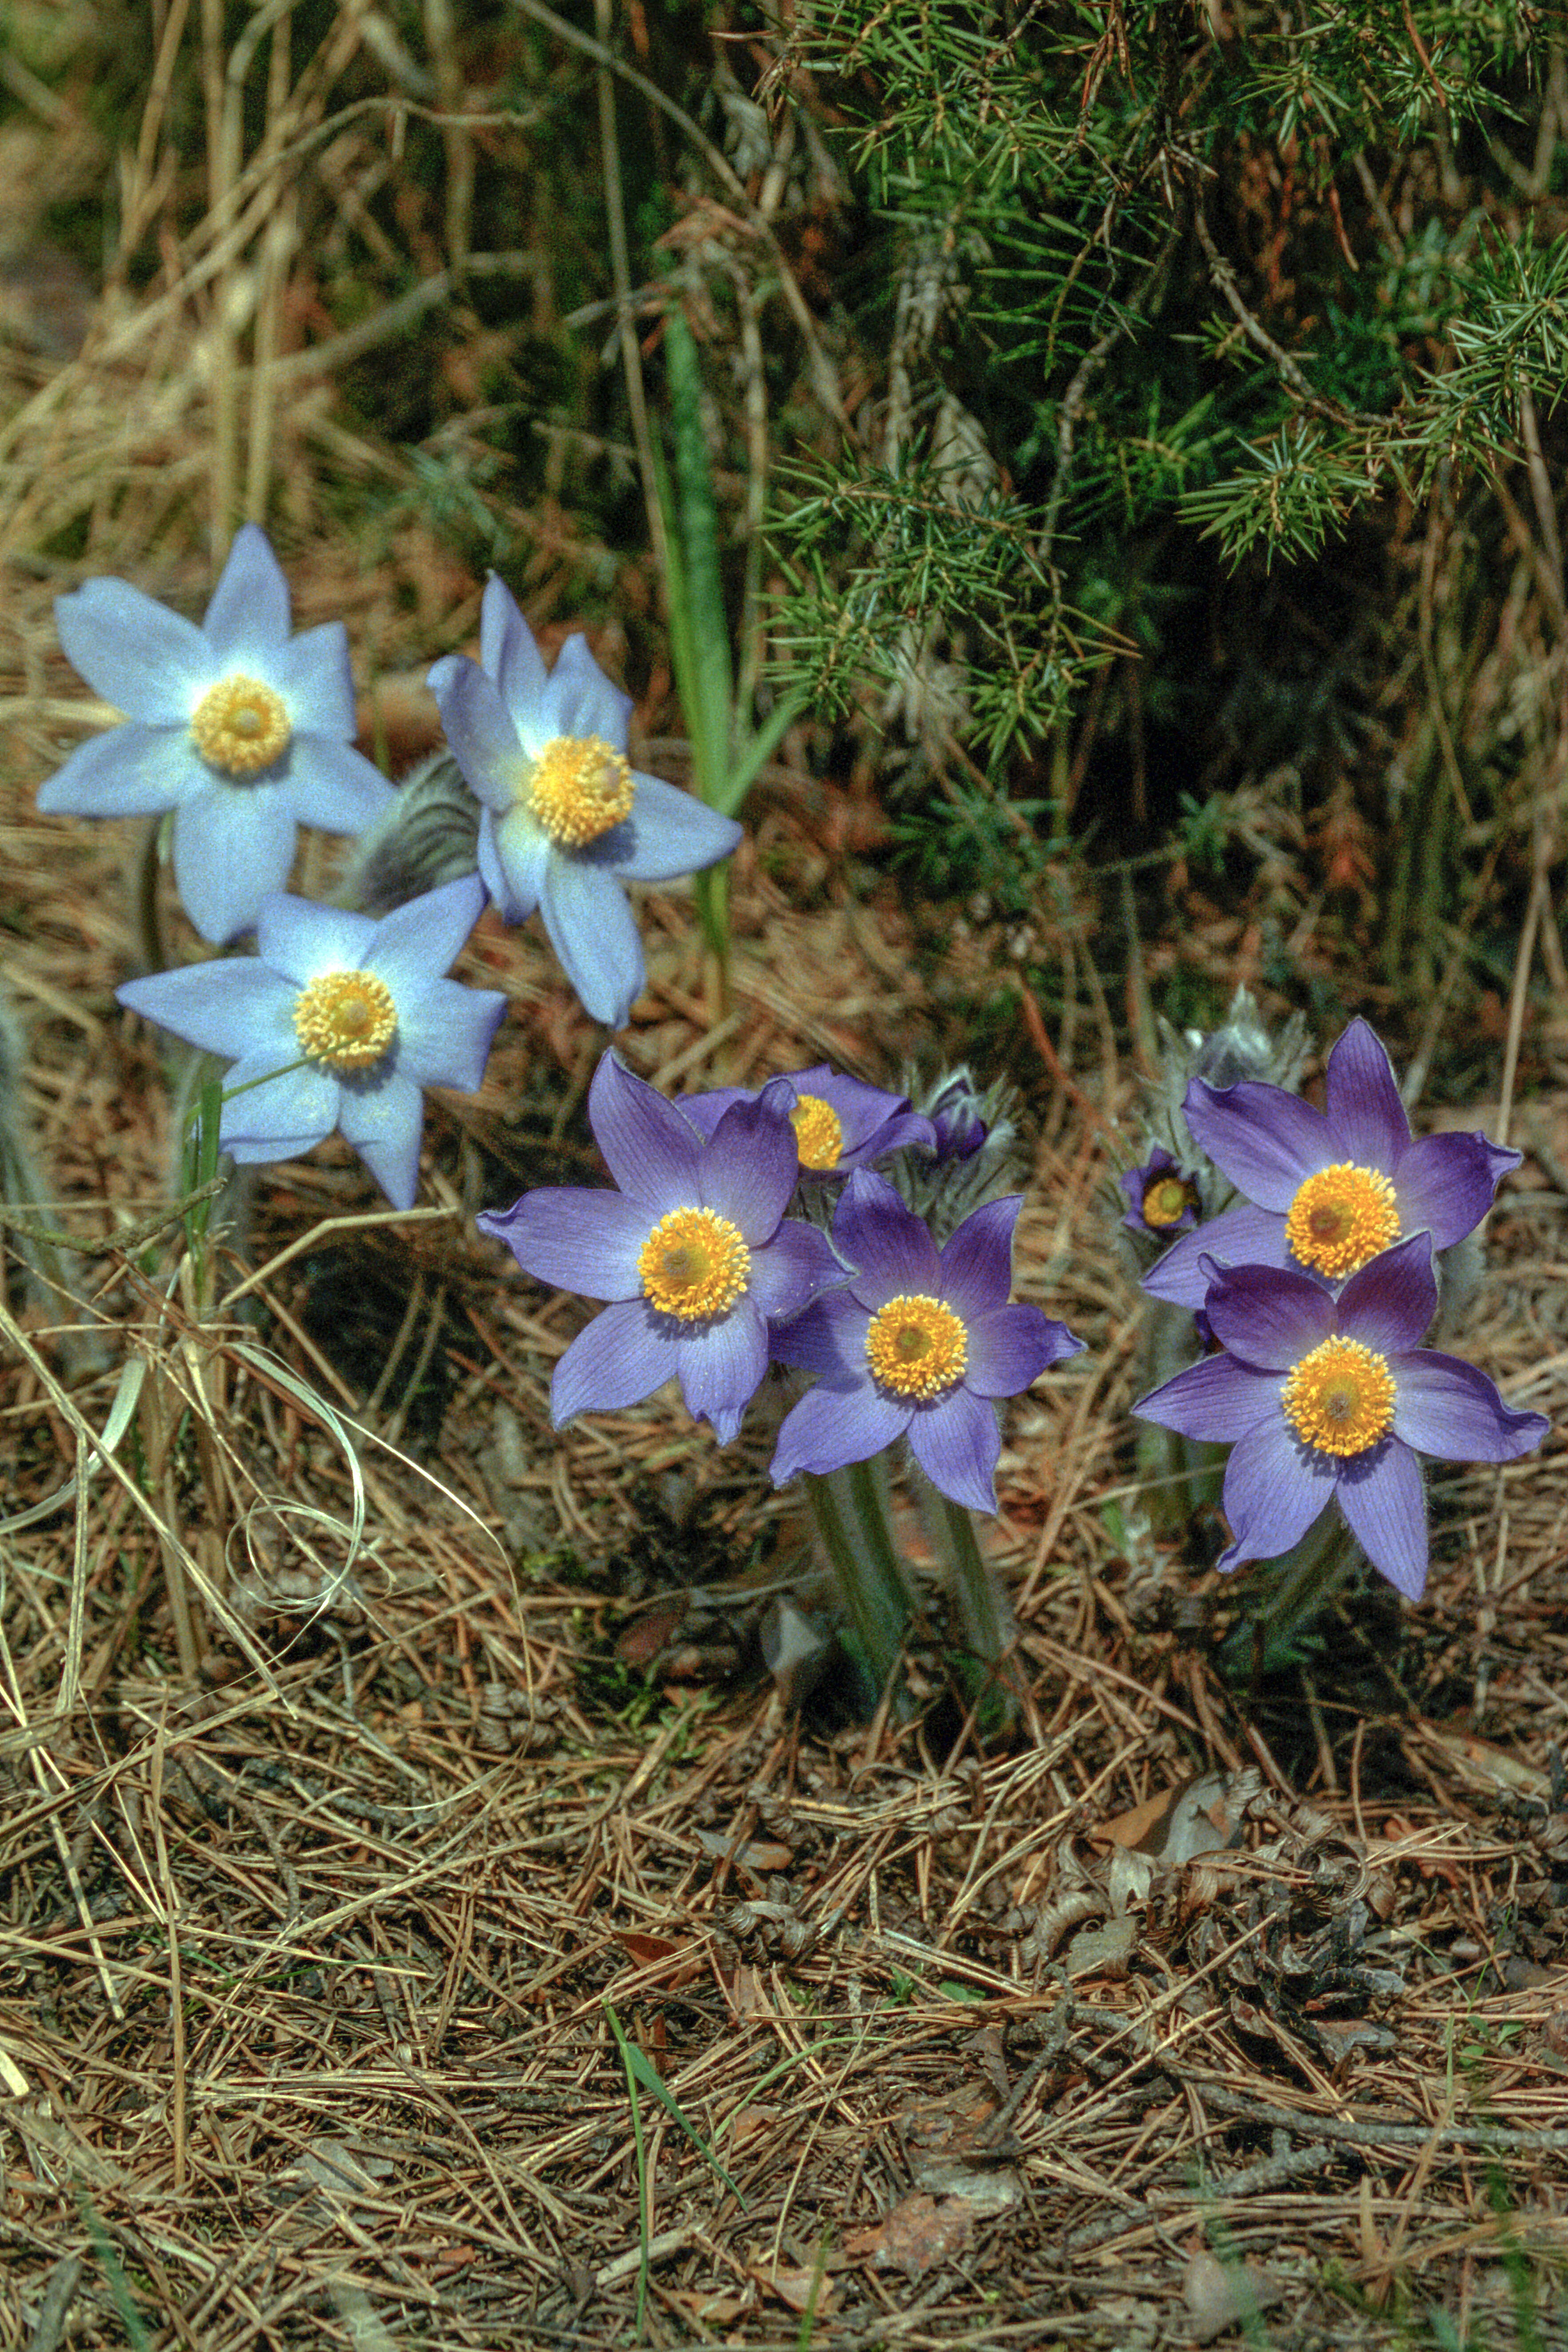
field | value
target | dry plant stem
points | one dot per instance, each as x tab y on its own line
160	1418
277	247
223	165
441	38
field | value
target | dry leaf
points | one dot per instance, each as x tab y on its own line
1223	2294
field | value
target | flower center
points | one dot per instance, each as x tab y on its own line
819	1133
1340	1217
345	1020
1340	1398
240	726
1166	1201
694	1265
579	789
916	1346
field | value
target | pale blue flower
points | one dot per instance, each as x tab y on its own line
566	821
243	730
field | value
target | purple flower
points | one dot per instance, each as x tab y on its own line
243	730
956	1115
693	1252
1160	1199
1324	1399
920	1340
337	1022
1333	1188
566	822
840	1123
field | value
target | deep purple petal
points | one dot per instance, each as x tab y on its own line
832	1427
1217	1399
1265	1141
1446	1408
575	1239
334	786
1388	1303
233	847
593	930
796	1266
957	1441
1366	1118
250	603
705	1110
862	1110
747	1172
581	700
886	1243
721	1366
1385	1505
670	833
905	1130
479	730
149	662
1241	1236
1274	1489
977	1262
384	1123
1268	1315
1445	1182
648	1148
130	771
1011	1346
829	1339
623	1357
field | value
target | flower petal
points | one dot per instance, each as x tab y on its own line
234	845
513	857
904	1129
507	651
130	771
233	1006
829	1339
1268	1316
670	833
1274	1489
575	1239
149	662
887	1245
593	930
1241	1236
1366	1118
705	1110
832	1427
277	1115
425	937
478	728
623	1357
1385	1505
1217	1399
957	1441
648	1148
721	1366
445	1034
1264	1139
332	785
384	1122
581	700
747	1172
1010	1347
796	1266
250	603
1388	1303
977	1262
1446	1408
303	940
312	673
1446	1183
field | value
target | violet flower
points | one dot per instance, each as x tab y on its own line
1328	1189
567	823
840	1123
1160	1200
243	730
919	1343
337	1022
693	1252
1330	1400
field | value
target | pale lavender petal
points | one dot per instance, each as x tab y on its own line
670	833
130	771
507	650
581	700
1274	1489
623	1357
1385	1505
957	1441
482	739
1388	1303
302	940
649	1150
514	857
233	1006
332	785
1446	1183
747	1172
384	1123
1217	1399
829	1339
420	940
796	1266
1366	1118
285	1113
832	1427
721	1366
575	1238
250	603
1268	1316
312	673
1011	1346
887	1245
594	933
445	1034
1241	1236
1446	1407
151	663
1264	1139
977	1262
233	846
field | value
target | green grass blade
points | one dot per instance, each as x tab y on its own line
626	2050
639	2065
712	680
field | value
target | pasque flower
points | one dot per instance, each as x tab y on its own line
1326	1191
840	1123
337	1022
243	730
1330	1400
919	1342
1160	1200
693	1252
566	821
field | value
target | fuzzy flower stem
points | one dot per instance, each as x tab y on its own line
849	1508
982	1610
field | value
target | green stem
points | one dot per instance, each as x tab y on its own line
850	1510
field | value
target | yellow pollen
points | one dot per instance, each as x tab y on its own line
579	789
819	1135
1166	1200
240	726
916	1346
1340	1217
694	1265
1340	1398
345	1020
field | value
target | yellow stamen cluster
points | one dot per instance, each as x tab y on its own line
819	1133
579	789
240	726
1166	1201
916	1346
1340	1217
694	1265
345	1020
1340	1398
